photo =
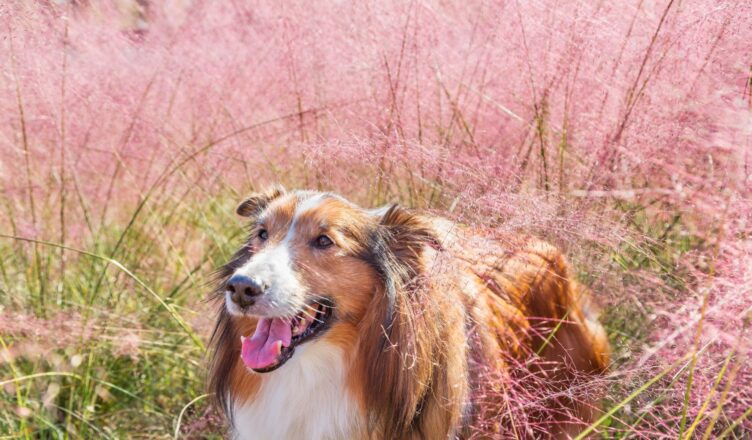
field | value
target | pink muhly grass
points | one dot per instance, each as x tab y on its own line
621	131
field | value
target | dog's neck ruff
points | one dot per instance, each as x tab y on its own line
305	399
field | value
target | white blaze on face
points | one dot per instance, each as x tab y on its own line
308	204
274	267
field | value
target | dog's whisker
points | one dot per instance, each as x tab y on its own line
312	316
326	303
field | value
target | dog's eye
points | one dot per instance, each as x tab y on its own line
263	234
322	242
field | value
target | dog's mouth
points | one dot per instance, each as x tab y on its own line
274	341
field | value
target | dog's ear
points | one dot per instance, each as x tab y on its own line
397	354
255	203
397	247
407	234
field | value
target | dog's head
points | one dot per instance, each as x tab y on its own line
316	267
313	266
306	272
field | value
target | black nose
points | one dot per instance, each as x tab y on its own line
244	290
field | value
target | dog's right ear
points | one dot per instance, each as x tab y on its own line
255	203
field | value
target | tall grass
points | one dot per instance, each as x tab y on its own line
621	131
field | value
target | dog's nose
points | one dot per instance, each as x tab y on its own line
244	290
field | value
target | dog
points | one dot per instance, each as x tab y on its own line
339	322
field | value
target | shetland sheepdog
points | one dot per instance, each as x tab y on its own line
339	322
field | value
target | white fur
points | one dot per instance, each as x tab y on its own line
273	266
378	212
309	204
305	398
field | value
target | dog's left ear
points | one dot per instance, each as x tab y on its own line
397	354
406	234
255	203
401	239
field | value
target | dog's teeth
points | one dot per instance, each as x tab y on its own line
278	349
242	339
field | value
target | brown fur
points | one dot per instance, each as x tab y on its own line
423	308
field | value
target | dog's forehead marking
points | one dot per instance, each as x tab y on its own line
295	208
307	204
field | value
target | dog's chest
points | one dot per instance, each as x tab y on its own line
304	399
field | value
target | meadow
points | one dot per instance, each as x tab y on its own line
619	131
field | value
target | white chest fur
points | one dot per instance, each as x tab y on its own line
304	399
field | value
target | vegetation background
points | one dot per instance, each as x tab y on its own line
621	131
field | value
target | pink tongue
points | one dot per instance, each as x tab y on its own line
262	350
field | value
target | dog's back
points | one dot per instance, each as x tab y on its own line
527	309
533	276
